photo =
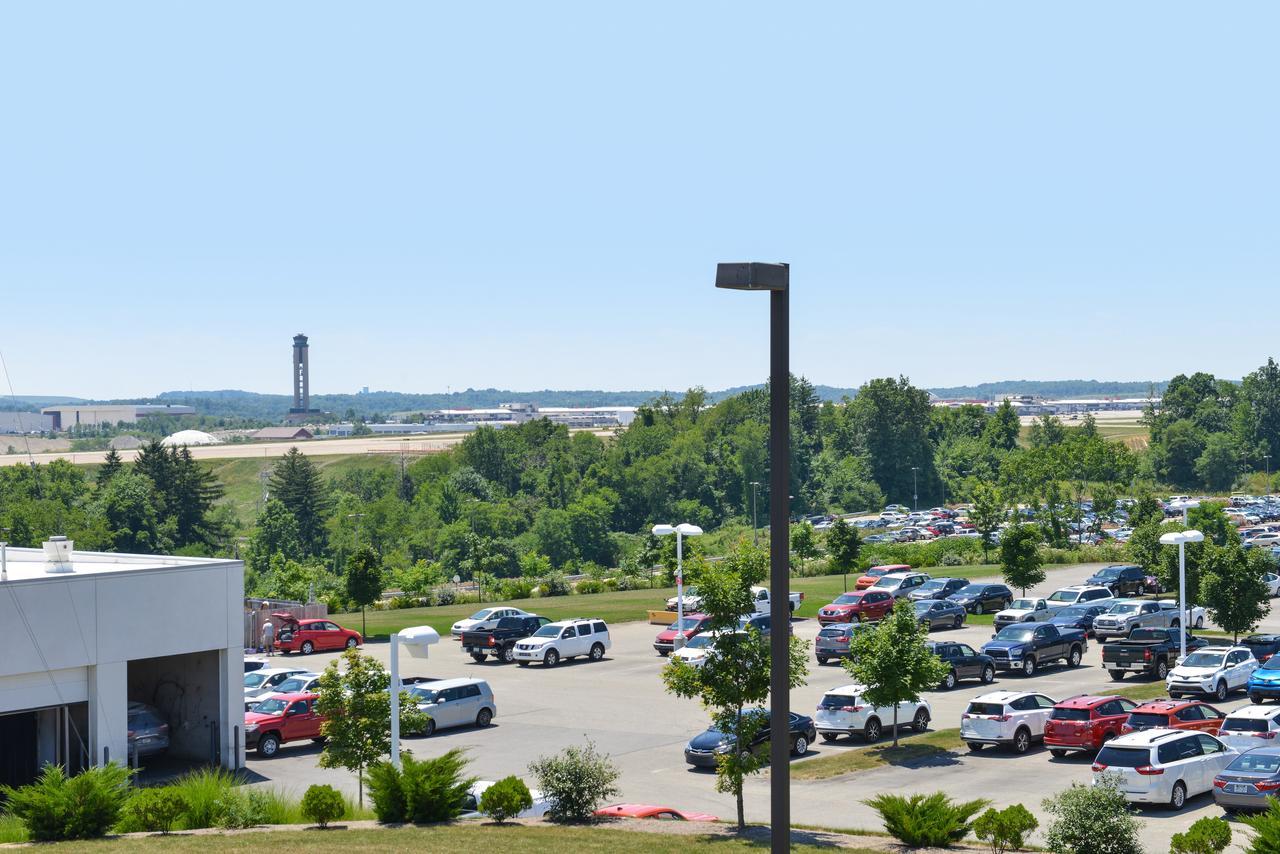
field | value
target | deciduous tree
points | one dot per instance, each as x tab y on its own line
1020	561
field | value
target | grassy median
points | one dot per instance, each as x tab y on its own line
923	749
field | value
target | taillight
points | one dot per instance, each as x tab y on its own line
1146	653
1098	766
1268	734
852	708
490	640
1219	783
1004	719
1149	771
1266	785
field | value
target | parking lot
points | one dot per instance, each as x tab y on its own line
620	704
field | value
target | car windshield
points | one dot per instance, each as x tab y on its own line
270	707
1234	724
1074	611
1069	714
1257	762
423	695
970	590
935	584
1022	604
254	680
1064	596
482	615
989	709
1124	608
1015	633
1203	659
847	598
686	623
831	632
1147	719
1272	663
698	642
1108	573
925	605
888	581
548	631
293	686
1124	757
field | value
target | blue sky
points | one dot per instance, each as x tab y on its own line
535	195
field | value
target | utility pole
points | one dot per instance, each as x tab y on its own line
1267	457
755	530
915	492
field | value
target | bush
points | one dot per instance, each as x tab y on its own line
399	602
1006	829
202	791
951	559
626	582
1266	829
241	809
575	781
57	807
422	790
323	804
1206	836
926	821
588	586
555	584
445	596
156	809
1092	820
386	793
515	588
506	799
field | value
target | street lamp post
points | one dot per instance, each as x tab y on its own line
681	531
1180	539
755	529
357	517
915	493
417	639
776	279
1267	457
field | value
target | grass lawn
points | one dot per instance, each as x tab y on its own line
921	749
240	477
1141	691
510	839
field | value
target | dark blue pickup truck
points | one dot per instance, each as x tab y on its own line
1027	646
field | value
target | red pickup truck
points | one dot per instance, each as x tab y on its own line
273	722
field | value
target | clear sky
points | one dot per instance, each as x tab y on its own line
529	195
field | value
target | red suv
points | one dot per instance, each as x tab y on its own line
1085	722
693	624
308	636
857	606
1175	714
288	717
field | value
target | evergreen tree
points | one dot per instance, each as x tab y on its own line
111	466
296	483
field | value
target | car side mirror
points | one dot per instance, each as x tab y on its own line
439	700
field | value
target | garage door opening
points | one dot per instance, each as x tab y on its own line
175	708
31	739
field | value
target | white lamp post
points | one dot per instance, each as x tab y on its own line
681	531
1180	539
1184	506
417	639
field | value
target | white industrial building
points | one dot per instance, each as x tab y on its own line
87	633
91	414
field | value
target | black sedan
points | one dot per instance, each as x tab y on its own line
979	598
934	614
703	748
1079	617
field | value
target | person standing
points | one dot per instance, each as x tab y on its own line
268	636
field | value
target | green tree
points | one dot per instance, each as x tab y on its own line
1020	561
364	580
843	545
129	505
1001	431
111	465
889	420
353	698
735	675
988	514
1218	465
1104	504
1232	588
802	542
893	661
276	533
295	482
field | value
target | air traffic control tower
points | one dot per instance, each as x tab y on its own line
301	409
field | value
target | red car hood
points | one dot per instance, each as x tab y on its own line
838	608
648	810
256	718
670	634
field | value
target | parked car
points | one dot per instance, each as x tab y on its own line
1163	766
900	584
833	641
684	629
252	664
702	749
1006	718
455	702
1250	781
1028	647
966	663
1078	617
1264	683
1214	670
692	601
1148	651
1273	584
148	731
471	802
935	613
1085	722
1120	579
1077	594
762	623
652	811
264	681
1250	726
875	573
697	649
298	683
1027	610
846	711
308	636
1174	714
1262	646
566	639
485	618
289	717
857	606
1125	615
983	598
1196	614
938	588
500	640
763	604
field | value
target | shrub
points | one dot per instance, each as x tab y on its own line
626	582
575	781
1092	820
588	586
506	799
516	588
57	807
1006	829
323	804
434	788
1206	836
1266	829
951	559
555	584
202	791
243	808
445	596
926	821
156	809
386	793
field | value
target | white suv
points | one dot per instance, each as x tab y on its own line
1011	718
1242	728
1077	594
845	711
1163	766
901	583
562	640
1214	670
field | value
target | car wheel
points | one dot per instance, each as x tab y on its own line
1021	741
822	659
977	608
959	623
1179	797
268	746
352	643
871	732
800	746
664	652
484	717
308	647
1116	675
1058	752
921	721
430	728
988	675
1200	622
1221	691
1073	659
1174	695
830	736
949	681
1028	666
509	654
597	651
320	739
1257	699
1162	670
1175	624
478	657
551	659
974	746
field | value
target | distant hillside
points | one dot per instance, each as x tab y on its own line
1053	389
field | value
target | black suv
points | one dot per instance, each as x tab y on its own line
1121	579
981	598
965	661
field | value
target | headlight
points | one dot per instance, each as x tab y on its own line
250	727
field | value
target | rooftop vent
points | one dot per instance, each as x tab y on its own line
57	554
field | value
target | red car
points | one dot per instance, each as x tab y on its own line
872	575
308	636
1175	714
1085	722
857	606
288	717
693	624
650	811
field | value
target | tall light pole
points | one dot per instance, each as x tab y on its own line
1180	539
417	639
1267	457
915	497
681	531
1184	506
776	279
357	517
755	529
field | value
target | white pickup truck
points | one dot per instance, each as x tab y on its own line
760	596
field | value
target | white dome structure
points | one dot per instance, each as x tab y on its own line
189	437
